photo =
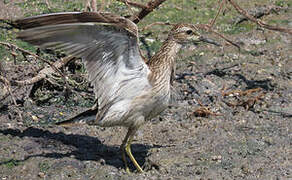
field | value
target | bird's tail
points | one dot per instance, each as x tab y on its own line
86	117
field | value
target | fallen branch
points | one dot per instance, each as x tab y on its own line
207	28
204	111
53	67
8	87
258	22
44	72
248	102
151	5
145	9
240	92
218	12
260	12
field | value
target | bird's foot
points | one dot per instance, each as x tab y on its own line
128	170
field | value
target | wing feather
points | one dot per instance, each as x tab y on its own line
109	49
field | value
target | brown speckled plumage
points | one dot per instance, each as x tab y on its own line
129	91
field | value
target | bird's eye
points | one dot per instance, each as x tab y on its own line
189	31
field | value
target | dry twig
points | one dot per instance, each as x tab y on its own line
157	23
258	22
44	72
218	12
8	87
259	12
204	111
90	5
151	5
207	28
246	103
240	92
145	9
9	45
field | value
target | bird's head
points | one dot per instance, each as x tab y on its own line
188	33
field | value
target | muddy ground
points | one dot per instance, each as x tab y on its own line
232	119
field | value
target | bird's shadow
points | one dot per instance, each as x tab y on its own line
82	147
265	84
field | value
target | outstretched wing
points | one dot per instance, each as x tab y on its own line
107	44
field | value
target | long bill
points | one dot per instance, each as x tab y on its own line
210	41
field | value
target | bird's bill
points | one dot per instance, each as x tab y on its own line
207	40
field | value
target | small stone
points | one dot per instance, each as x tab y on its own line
41	116
102	161
41	174
216	158
35	118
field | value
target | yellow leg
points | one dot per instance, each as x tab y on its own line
126	146
123	146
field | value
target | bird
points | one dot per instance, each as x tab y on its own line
129	89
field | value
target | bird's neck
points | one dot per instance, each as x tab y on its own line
163	62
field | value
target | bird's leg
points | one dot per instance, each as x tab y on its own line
128	150
126	146
123	148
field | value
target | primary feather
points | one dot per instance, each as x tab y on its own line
109	51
